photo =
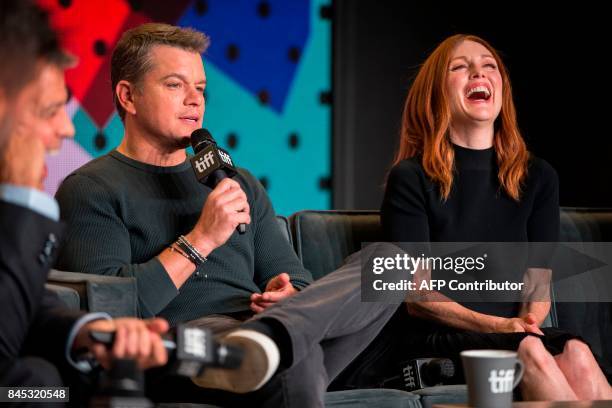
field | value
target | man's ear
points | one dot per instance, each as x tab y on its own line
2	104
125	94
5	121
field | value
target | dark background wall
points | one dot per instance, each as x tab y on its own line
557	56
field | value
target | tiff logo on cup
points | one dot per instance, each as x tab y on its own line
501	380
205	162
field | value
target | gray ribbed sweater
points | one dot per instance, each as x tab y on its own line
122	213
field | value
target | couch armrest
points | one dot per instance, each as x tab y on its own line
68	296
110	294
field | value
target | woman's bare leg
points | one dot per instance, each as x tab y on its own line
543	380
582	372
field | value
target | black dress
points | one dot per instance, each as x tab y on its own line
477	210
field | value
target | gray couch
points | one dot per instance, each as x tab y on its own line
117	296
322	240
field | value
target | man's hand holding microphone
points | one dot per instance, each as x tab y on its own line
224	210
134	339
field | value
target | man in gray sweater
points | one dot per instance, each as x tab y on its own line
140	212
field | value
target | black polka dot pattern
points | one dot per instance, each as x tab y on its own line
264	182
135	5
201	7
294	54
264	97
65	3
263	9
294	141
325	98
232	52
100	47
326	12
232	140
325	183
100	141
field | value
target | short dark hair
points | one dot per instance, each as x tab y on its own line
25	38
131	57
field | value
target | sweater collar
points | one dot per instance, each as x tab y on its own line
149	167
466	158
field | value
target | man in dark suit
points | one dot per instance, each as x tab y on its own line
39	337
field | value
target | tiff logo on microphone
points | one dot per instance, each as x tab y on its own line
501	380
195	340
409	380
205	162
226	158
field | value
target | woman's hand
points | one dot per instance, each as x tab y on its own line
527	323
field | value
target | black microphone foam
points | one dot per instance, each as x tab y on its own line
438	370
424	372
199	139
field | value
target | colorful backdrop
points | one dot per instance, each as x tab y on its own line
268	93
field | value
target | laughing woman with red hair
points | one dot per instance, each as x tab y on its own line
462	173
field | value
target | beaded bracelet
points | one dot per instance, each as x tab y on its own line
190	251
174	248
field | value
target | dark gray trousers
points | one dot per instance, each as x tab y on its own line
328	325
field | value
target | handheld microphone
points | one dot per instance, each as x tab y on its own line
210	163
427	372
192	350
421	373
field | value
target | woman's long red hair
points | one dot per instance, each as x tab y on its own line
426	121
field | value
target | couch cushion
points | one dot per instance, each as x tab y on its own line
323	239
586	224
98	293
378	398
69	296
443	394
184	405
375	398
592	321
283	223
